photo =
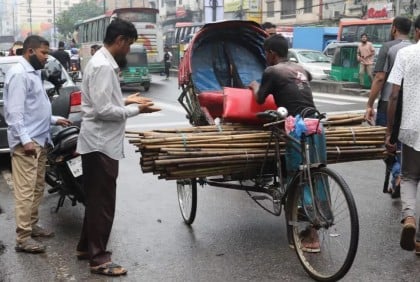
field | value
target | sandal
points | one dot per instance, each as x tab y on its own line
310	241
108	269
30	246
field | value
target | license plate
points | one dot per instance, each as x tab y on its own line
75	166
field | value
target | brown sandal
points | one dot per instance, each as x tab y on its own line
108	269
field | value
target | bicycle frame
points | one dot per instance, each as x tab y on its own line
301	145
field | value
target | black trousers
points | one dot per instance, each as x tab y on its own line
99	182
167	67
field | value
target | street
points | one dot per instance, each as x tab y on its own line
232	239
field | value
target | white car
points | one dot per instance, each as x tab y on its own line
314	62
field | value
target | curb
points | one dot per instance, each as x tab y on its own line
338	87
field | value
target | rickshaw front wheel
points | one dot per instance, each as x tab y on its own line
187	199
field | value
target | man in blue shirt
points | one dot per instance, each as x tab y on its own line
28	116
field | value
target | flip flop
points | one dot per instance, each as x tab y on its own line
108	269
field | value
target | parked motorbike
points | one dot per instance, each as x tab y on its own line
64	166
74	70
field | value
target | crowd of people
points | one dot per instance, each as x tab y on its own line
104	115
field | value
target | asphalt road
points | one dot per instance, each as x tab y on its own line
232	239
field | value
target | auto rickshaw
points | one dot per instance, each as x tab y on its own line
136	71
345	66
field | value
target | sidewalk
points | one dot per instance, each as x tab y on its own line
325	86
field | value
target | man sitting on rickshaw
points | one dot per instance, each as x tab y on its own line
288	82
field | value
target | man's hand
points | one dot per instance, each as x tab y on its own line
29	149
137	99
64	122
370	116
391	148
254	86
148	108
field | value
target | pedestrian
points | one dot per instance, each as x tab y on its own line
365	56
400	30
167	57
289	84
269	27
101	140
13	51
62	56
94	48
406	74
28	116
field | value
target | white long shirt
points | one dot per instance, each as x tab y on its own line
103	111
407	67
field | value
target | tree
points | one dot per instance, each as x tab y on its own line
65	20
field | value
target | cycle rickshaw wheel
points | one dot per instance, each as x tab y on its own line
337	227
187	199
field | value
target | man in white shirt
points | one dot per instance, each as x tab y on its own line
101	140
407	67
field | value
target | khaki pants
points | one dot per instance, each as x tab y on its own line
28	174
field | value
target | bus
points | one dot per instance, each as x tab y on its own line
378	30
177	38
92	31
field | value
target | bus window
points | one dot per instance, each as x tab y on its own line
349	33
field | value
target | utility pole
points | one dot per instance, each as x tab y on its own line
30	16
397	8
54	30
214	9
104	6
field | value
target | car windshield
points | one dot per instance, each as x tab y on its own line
312	57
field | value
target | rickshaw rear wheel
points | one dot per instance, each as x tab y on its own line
146	87
187	199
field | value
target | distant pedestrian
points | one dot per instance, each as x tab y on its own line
167	58
62	56
28	116
101	142
365	56
268	27
94	48
406	74
16	49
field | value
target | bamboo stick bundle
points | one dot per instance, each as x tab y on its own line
208	150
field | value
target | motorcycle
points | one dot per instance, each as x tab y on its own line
74	70
64	166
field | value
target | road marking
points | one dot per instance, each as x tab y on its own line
332	102
340	97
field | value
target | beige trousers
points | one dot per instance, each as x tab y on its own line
28	174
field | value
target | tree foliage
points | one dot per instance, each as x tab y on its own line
66	20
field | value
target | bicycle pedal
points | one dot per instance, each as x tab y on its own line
260	197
